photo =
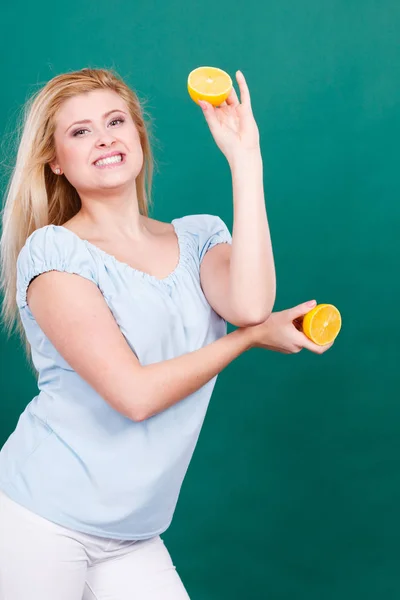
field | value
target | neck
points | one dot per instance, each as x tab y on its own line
111	215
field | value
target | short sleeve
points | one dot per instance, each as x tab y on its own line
52	248
210	231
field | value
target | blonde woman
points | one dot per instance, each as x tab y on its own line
125	320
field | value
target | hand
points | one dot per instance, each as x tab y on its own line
232	125
280	334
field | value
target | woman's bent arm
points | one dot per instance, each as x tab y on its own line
172	380
73	314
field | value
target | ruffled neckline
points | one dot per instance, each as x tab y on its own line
143	274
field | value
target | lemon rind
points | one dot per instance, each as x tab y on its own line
210	95
321	307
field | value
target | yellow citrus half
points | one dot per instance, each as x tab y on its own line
322	324
210	84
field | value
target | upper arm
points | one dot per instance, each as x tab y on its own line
214	278
215	247
73	314
215	251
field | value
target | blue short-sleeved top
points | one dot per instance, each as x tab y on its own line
72	458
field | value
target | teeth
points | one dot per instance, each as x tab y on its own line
109	161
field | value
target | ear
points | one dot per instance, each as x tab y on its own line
55	167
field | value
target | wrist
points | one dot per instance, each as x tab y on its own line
245	159
247	336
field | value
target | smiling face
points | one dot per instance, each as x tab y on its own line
88	127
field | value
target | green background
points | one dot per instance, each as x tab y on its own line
294	489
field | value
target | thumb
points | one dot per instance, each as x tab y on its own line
302	309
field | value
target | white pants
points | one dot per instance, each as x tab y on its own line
40	560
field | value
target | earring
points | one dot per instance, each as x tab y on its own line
58	171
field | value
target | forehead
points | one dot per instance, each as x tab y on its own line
91	105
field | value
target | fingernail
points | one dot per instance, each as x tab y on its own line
202	104
311	303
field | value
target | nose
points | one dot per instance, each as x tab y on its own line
105	139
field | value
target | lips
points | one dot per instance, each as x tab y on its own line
112	164
114	153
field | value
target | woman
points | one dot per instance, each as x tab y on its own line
125	317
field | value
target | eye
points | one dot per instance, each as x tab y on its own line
78	132
120	119
75	134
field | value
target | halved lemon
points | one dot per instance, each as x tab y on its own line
322	324
210	84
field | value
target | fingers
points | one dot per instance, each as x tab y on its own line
223	107
303	341
232	99
302	309
296	315
211	117
244	90
208	111
298	323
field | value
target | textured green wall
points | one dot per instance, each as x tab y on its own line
294	489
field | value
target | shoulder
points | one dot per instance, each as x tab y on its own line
50	243
200	223
49	234
207	230
52	248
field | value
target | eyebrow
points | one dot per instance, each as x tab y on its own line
89	121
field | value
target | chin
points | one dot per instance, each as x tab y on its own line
115	183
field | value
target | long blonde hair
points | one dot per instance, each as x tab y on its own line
35	196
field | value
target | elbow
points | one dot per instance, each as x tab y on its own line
140	411
261	317
137	416
249	318
137	395
140	405
253	316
